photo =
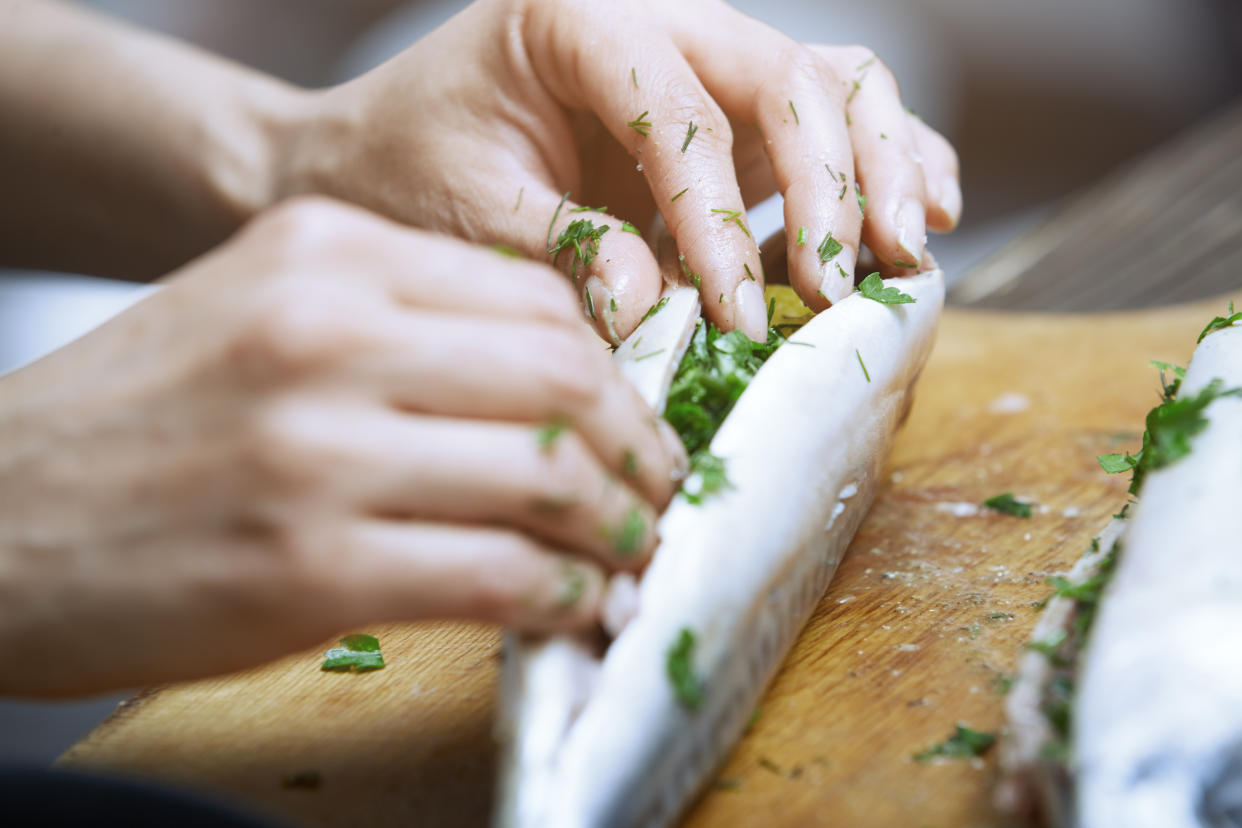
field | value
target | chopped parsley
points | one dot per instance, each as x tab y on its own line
862	200
626	227
802	235
640	124
629	463
507	251
714	372
679	195
690	130
794	110
679	666
358	652
829	247
873	288
627	538
1170	425
521	190
634	76
581	236
1007	504
654	309
548	434
861	364
692	277
590	302
1220	323
963	744
733	216
573	585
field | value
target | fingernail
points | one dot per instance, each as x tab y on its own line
620	605
750	314
601	307
951	198
676	450
911	231
837	281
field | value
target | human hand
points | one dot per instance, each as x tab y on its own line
690	110
316	426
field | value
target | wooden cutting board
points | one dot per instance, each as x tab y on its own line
926	617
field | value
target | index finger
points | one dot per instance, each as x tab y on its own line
651	101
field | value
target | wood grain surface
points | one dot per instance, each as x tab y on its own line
928	613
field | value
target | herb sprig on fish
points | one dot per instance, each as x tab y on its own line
714	372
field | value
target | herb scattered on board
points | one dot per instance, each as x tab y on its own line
358	652
963	744
1007	504
679	666
640	124
1219	323
873	288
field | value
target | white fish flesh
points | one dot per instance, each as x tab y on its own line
1157	713
595	736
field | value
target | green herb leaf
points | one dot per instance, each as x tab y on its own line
573	584
794	110
627	538
829	247
1007	504
963	744
690	130
1118	463
861	365
634	76
626	227
548	434
733	216
654	309
1219	323
358	652
862	200
707	477
679	195
582	237
802	235
507	251
640	124
873	288
679	666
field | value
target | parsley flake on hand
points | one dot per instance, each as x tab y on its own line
581	236
873	288
1007	504
640	124
829	247
690	130
358	652
679	666
549	433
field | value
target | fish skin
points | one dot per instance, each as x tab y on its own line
1158	729
804	446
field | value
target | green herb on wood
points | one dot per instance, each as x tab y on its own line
1007	504
358	652
963	744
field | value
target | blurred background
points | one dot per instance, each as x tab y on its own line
1040	99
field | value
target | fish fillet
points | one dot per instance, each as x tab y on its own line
1157	713
595	736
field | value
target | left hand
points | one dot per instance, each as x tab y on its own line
690	110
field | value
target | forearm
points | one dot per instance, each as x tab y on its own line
122	152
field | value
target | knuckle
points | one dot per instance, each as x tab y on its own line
283	454
290	330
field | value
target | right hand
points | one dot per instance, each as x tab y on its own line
316	426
